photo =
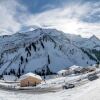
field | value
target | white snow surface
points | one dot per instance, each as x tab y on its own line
9	78
61	71
88	91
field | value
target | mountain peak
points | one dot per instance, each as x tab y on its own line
94	38
28	28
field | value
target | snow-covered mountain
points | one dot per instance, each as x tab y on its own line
47	50
91	43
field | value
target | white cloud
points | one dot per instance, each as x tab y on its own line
8	11
67	18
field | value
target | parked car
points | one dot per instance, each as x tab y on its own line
68	86
92	77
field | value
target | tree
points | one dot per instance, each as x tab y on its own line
28	51
42	44
8	73
1	76
13	71
5	73
97	53
48	59
34	47
97	65
87	62
35	72
27	54
22	71
30	47
48	72
21	58
26	60
19	72
43	72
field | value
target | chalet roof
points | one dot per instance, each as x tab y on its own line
75	67
30	74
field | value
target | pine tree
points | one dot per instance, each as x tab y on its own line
42	44
26	60
26	49
5	73
43	72
48	72
48	59
19	72
8	73
21	58
87	62
29	47
35	72
22	71
34	47
27	54
97	65
13	72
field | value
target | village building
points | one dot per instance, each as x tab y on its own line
30	79
87	69
92	68
84	70
75	69
63	72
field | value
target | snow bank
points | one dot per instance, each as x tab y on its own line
9	78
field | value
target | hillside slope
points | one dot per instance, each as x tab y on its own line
46	50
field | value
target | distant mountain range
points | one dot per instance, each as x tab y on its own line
46	50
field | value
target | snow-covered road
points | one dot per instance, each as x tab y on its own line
89	91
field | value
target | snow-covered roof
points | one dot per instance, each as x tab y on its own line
30	74
74	67
9	78
91	67
62	71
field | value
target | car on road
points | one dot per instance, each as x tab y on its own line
92	77
68	86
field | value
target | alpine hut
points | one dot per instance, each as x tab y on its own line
30	79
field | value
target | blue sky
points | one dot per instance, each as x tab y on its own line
71	16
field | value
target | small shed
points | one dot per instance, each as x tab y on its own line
75	69
29	79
